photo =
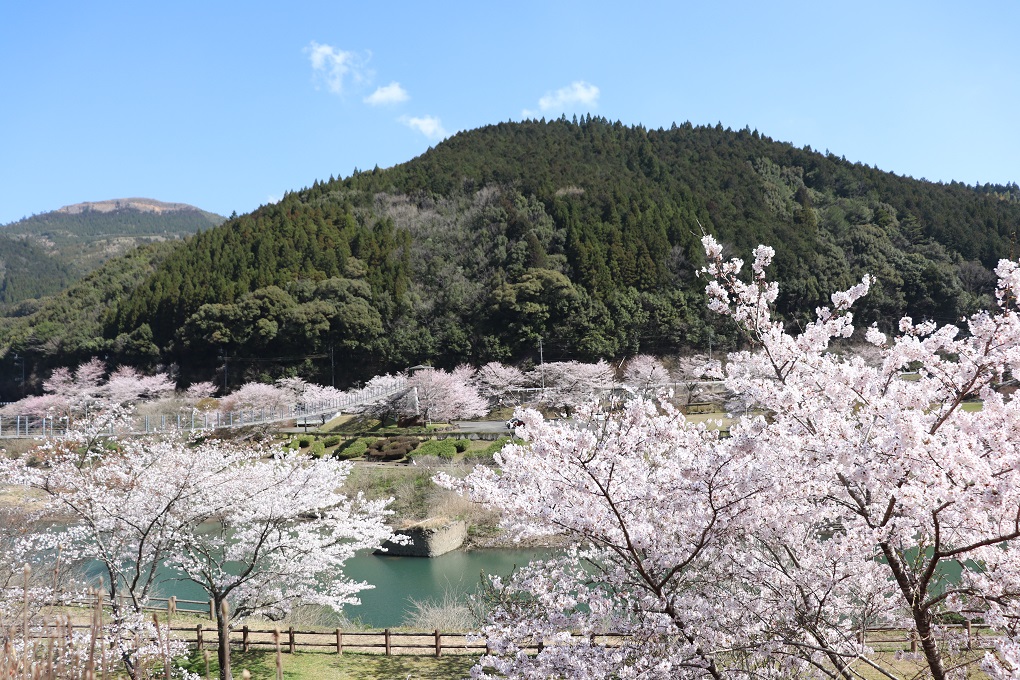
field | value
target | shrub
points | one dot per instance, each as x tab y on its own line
355	448
495	446
461	445
304	441
391	448
485	455
317	449
331	441
441	448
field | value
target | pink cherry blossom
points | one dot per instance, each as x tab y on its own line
844	498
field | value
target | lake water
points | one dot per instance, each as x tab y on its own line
399	580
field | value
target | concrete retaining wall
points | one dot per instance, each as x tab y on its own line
429	538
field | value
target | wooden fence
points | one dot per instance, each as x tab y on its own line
967	635
337	641
153	604
390	642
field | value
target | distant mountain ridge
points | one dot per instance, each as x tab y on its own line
581	235
139	204
42	254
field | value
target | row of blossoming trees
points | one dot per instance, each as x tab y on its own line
847	498
856	499
260	530
429	394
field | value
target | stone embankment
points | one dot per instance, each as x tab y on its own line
429	538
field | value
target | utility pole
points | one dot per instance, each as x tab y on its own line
21	360
541	365
223	355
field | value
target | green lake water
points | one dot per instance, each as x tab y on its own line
399	580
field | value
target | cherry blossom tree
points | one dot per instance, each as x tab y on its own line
200	396
431	395
127	386
86	390
123	501
568	384
37	406
282	531
256	396
645	374
500	383
903	471
259	532
699	378
66	393
439	396
658	554
856	498
301	392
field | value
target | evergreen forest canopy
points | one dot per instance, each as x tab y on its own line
43	254
584	234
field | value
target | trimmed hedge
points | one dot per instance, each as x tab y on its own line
391	448
440	448
355	448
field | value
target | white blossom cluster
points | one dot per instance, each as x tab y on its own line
849	497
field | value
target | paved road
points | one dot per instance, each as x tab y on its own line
481	425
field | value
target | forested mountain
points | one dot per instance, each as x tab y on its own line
40	255
27	271
584	234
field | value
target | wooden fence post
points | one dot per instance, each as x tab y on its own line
279	657
212	610
968	635
198	636
244	638
913	642
339	642
439	645
290	635
387	634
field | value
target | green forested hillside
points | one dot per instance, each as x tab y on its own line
74	325
89	222
43	254
582	233
27	271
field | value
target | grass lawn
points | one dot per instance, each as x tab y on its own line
352	666
348	666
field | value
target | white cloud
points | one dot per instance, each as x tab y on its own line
578	92
332	66
430	126
388	94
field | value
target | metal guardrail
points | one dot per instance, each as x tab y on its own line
36	427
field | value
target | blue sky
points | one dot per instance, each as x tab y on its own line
227	105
